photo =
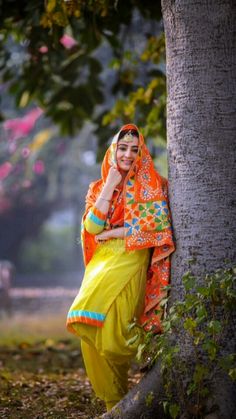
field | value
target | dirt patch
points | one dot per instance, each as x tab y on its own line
45	378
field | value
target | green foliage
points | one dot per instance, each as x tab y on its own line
111	73
146	105
67	82
199	322
149	398
102	66
174	410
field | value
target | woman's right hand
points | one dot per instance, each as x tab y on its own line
114	177
115	233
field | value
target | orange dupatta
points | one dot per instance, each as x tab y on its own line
146	220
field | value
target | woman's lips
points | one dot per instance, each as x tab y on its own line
127	161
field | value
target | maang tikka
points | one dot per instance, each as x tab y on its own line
128	136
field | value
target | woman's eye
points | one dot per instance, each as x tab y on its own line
124	149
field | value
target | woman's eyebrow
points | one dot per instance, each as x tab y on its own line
126	145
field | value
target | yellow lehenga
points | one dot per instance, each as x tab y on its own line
113	285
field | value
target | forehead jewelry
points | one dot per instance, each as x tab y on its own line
128	136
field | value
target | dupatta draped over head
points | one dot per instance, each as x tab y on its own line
146	220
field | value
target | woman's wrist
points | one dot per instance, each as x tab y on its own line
117	232
104	199
107	192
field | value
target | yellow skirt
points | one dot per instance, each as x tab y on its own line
110	298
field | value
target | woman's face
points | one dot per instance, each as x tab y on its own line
126	153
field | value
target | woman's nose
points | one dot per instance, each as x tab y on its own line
128	152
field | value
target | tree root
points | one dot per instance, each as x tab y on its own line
143	401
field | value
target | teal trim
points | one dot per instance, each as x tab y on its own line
89	314
96	219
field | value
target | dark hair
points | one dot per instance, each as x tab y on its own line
133	132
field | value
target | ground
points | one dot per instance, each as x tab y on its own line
41	370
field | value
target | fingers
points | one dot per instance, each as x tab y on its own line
105	235
114	169
100	238
114	176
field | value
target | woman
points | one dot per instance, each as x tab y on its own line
126	237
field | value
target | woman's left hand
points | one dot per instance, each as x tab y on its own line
110	234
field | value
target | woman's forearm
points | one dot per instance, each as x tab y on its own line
115	233
95	219
104	200
113	179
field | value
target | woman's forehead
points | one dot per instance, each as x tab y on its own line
133	141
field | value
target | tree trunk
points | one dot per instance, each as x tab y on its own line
201	126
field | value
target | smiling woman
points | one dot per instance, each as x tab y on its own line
127	150
127	240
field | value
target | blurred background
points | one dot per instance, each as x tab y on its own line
72	72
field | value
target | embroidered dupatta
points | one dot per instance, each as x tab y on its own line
147	222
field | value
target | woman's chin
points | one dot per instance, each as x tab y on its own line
124	171
125	167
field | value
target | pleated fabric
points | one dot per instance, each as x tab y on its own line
114	286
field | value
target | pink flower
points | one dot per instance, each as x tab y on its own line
67	41
43	49
5	170
21	127
25	152
39	167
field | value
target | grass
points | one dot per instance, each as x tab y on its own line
33	328
41	370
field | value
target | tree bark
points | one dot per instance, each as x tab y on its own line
201	126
